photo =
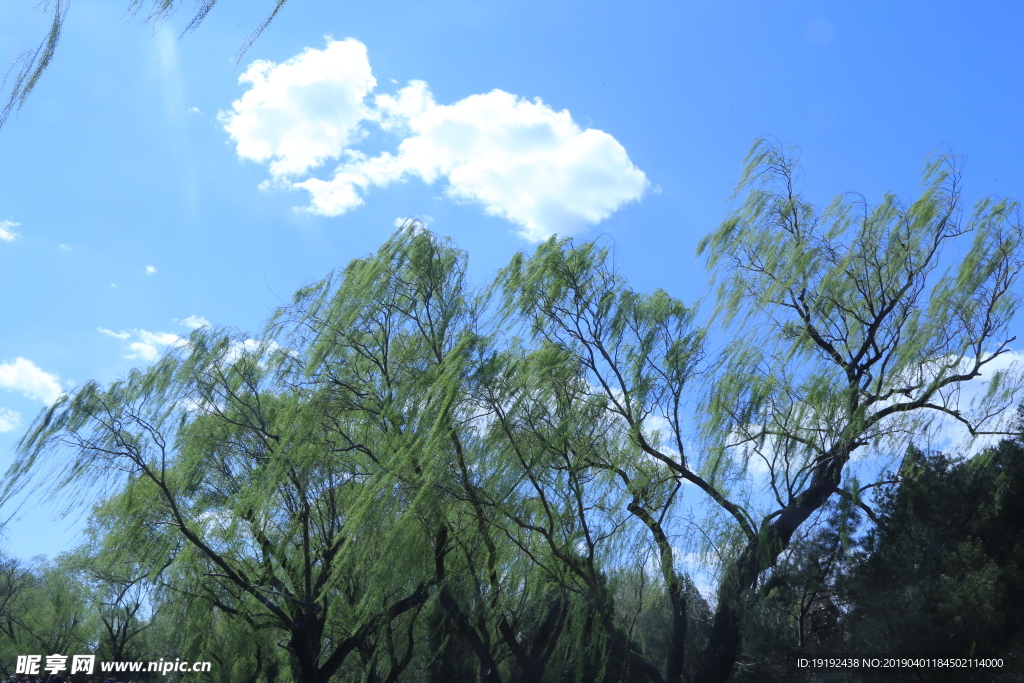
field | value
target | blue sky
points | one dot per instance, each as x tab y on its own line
149	184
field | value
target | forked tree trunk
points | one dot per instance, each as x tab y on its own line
759	555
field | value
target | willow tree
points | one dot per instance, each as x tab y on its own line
44	607
404	472
16	582
869	325
319	483
282	482
622	358
870	322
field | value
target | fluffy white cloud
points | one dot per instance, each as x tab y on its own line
521	160
150	270
194	322
9	420
26	377
297	114
7	233
147	345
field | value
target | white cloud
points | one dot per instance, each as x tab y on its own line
9	420
150	270
934	430
111	333
63	247
194	322
147	345
300	113
423	220
7	233
657	425
973	402
146	352
521	160
26	377
158	338
194	110
251	347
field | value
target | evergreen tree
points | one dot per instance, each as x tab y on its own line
942	574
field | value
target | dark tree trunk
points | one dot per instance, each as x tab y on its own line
304	646
677	644
759	555
530	664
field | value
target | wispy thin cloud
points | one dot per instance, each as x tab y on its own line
116	335
7	233
9	420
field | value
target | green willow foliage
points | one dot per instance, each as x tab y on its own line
868	327
406	478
